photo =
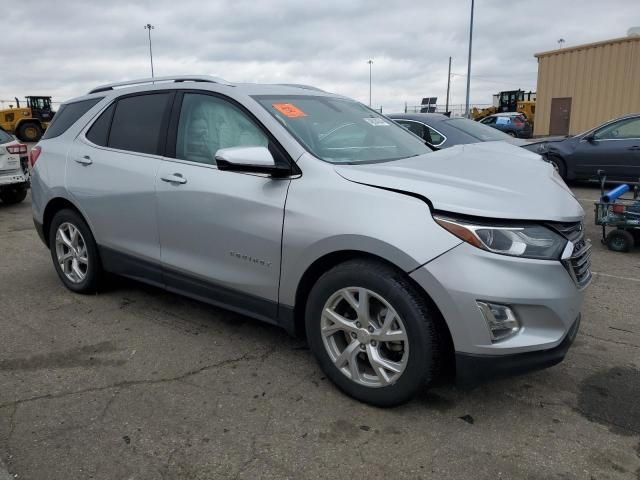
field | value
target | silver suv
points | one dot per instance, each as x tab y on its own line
310	211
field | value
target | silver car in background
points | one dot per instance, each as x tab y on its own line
309	210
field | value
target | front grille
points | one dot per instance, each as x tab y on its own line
579	264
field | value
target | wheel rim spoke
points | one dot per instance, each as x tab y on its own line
372	348
71	252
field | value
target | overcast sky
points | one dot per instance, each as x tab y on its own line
64	47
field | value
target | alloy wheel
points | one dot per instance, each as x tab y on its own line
71	252
365	337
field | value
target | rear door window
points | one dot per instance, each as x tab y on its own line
139	123
67	115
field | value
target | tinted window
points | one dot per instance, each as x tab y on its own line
99	131
338	130
413	127
67	115
208	123
5	137
137	123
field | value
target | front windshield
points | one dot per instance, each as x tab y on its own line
477	130
342	131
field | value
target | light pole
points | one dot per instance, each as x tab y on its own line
466	109
150	27
370	62
446	108
561	42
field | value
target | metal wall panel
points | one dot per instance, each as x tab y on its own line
603	80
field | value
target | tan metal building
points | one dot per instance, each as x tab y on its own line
581	87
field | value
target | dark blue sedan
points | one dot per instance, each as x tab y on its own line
613	147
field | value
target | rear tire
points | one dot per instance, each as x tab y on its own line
512	134
29	132
11	197
387	373
620	240
75	255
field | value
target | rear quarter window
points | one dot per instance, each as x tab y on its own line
67	115
5	137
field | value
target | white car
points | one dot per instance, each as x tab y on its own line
14	169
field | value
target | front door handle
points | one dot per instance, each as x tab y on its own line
85	160
635	147
174	178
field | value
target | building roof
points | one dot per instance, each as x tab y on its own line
585	46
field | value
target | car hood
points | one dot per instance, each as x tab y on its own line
490	179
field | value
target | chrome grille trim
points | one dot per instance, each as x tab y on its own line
579	264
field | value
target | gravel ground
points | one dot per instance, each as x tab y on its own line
137	383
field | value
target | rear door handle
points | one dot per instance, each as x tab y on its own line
635	147
174	178
85	160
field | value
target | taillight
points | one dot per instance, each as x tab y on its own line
33	156
17	149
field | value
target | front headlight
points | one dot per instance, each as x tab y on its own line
526	240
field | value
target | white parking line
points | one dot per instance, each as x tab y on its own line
616	276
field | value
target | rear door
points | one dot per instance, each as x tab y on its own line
220	231
615	148
111	172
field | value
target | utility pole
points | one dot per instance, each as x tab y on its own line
370	62
150	27
466	109
446	108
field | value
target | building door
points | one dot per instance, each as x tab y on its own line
560	116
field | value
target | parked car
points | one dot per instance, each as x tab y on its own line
441	131
513	124
613	147
311	211
14	169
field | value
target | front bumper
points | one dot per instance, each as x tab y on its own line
472	370
542	293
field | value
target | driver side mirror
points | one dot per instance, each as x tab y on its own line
251	160
590	138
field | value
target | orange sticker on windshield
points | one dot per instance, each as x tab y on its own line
289	110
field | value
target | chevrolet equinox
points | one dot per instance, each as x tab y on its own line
310	211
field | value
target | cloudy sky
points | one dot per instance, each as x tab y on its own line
64	47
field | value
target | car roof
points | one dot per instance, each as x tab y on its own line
193	82
420	117
507	114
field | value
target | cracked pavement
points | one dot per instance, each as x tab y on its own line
137	383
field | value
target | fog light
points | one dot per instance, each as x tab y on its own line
501	320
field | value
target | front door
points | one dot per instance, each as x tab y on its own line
614	148
560	116
220	231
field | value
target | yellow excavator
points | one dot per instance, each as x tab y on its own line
27	123
510	101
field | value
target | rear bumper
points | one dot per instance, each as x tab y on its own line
472	370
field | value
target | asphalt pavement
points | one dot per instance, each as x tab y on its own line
138	383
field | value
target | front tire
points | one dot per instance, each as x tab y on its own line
74	252
373	333
11	197
558	165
